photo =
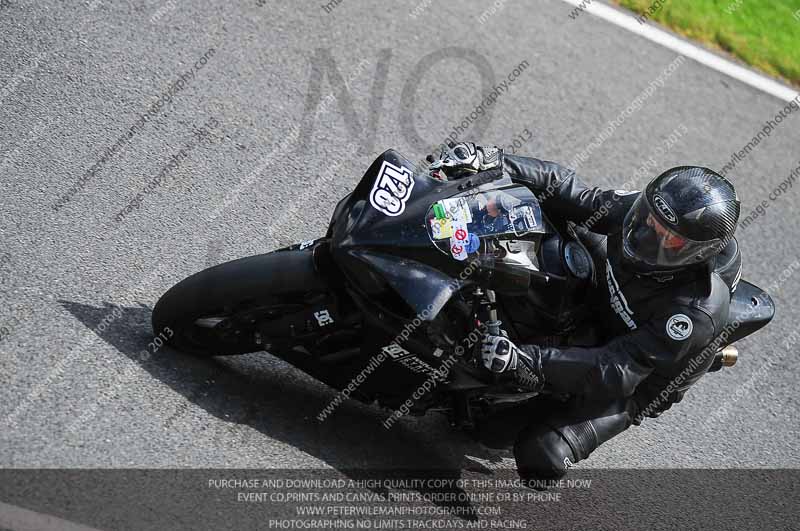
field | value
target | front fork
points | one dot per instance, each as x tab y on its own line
485	317
493	325
486	321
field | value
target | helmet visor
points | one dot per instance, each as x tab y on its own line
645	239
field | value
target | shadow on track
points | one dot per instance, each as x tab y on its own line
268	395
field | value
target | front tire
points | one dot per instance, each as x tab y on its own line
218	311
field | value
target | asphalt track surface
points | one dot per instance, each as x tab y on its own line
77	77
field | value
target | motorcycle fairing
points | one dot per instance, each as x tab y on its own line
381	233
384	211
425	289
376	249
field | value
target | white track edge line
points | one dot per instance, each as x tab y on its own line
729	68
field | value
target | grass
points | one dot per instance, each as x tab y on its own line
762	33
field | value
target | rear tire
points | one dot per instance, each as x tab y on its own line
206	314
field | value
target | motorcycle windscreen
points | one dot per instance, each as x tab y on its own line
457	225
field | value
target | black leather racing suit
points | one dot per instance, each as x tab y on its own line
655	330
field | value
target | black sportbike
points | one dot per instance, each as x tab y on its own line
397	295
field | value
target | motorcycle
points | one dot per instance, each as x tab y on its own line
396	297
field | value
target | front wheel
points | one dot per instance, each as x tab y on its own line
224	310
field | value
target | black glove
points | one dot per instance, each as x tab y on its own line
500	355
465	158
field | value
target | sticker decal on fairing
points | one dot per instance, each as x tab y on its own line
442	228
457	209
395	351
412	362
392	189
323	318
459	241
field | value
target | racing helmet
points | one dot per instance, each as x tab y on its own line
685	216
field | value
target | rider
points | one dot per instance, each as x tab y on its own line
661	295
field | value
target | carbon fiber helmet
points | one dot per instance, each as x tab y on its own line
685	216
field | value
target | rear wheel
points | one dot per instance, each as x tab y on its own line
223	310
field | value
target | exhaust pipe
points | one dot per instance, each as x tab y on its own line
730	355
726	357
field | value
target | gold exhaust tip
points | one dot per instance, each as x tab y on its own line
730	355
